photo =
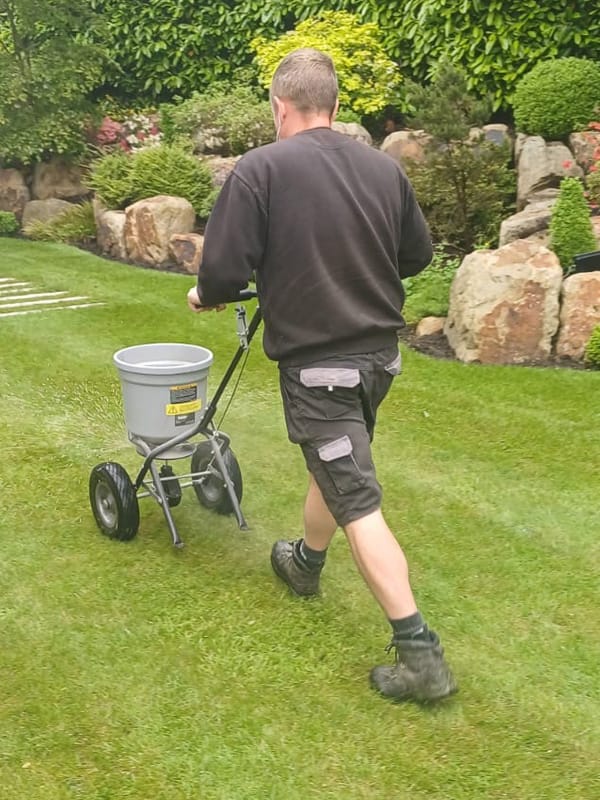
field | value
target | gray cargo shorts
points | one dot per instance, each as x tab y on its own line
330	408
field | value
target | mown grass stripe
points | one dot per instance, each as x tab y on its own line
43	310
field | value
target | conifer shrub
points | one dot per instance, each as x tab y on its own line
571	231
557	97
464	185
119	179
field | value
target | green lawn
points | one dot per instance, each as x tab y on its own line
135	670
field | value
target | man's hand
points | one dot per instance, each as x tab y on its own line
195	304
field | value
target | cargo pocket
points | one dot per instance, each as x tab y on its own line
332	390
394	367
339	463
329	377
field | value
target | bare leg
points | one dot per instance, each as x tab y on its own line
382	564
319	525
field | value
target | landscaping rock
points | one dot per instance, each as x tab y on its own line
150	224
110	234
406	145
543	165
504	305
14	194
499	134
220	167
354	130
579	315
44	210
430	326
58	178
584	144
186	249
534	217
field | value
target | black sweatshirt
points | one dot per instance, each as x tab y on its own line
329	226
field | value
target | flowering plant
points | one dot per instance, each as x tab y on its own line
136	132
593	174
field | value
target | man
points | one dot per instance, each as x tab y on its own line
329	226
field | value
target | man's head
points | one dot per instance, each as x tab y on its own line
303	92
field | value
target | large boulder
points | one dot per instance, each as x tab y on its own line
585	145
354	130
44	210
504	305
406	145
542	165
150	224
14	194
110	234
186	249
579	314
58	178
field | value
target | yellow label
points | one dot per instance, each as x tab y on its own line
175	409
183	386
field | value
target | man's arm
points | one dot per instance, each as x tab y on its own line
234	243
416	250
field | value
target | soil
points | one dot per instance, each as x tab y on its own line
437	346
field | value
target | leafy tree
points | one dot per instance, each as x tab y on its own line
368	79
496	42
47	73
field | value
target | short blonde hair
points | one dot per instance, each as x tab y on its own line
306	78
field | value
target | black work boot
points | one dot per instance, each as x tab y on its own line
420	672
288	566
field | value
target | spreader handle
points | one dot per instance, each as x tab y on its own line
247	294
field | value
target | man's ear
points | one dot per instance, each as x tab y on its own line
336	108
279	107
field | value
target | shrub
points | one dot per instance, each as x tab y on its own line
8	223
368	79
428	293
571	229
465	186
120	179
110	179
169	169
592	350
228	120
557	97
75	225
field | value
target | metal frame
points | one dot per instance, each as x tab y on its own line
218	440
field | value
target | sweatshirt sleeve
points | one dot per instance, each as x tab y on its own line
234	243
416	250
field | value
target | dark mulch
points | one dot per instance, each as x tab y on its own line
437	346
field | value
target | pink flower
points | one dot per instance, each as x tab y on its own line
593	168
567	164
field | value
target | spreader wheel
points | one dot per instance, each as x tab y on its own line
114	501
211	489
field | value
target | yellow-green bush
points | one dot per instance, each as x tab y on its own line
368	79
